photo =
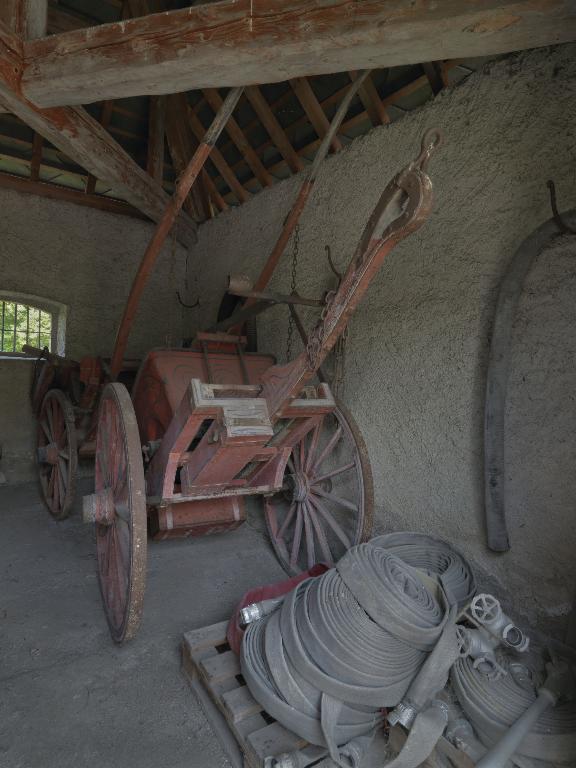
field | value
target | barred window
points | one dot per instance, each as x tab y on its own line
31	320
24	324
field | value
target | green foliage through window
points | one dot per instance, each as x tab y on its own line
22	324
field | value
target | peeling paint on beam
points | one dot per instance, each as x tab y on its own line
242	42
81	138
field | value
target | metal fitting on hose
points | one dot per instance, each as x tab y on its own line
487	612
281	761
256	611
403	714
479	645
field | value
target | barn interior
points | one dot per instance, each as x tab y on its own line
198	308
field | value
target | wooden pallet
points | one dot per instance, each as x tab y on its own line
247	733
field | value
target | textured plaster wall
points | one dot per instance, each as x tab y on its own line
417	349
85	259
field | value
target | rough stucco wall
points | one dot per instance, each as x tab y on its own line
417	349
85	259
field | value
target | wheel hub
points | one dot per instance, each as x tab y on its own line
99	507
299	486
48	454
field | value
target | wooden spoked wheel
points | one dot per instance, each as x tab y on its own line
118	509
327	501
57	453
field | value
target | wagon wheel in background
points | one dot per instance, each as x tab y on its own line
118	509
327	502
57	453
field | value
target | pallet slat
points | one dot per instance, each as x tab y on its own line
247	733
223	666
206	637
271	740
240	703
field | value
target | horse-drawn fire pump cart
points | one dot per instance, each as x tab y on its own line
204	428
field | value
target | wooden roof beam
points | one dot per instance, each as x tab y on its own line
36	157
434	71
83	140
219	161
26	18
273	127
239	139
313	109
371	101
56	192
239	42
352	122
156	136
181	145
105	117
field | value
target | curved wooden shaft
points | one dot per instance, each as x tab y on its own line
164	226
300	203
402	209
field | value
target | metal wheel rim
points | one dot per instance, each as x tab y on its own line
56	426
121	547
283	532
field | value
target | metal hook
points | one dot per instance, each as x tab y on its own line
183	303
332	267
431	141
560	223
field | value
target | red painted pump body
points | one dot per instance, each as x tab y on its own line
158	390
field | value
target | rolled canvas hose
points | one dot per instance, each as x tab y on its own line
435	557
343	646
492	706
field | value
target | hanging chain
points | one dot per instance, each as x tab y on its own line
339	364
295	255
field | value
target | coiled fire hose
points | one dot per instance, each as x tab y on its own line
370	633
493	706
436	558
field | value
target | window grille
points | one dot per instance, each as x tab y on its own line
24	324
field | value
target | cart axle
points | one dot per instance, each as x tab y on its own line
101	508
48	454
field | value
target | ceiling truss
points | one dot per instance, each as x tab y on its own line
125	158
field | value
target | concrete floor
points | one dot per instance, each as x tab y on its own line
69	698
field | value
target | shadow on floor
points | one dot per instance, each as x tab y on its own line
69	698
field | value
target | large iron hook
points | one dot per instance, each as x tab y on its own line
431	141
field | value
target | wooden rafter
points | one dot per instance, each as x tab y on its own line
274	129
36	160
372	102
26	18
239	139
83	140
181	145
105	117
313	109
434	71
55	192
156	136
215	196
348	125
60	20
235	42
219	161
